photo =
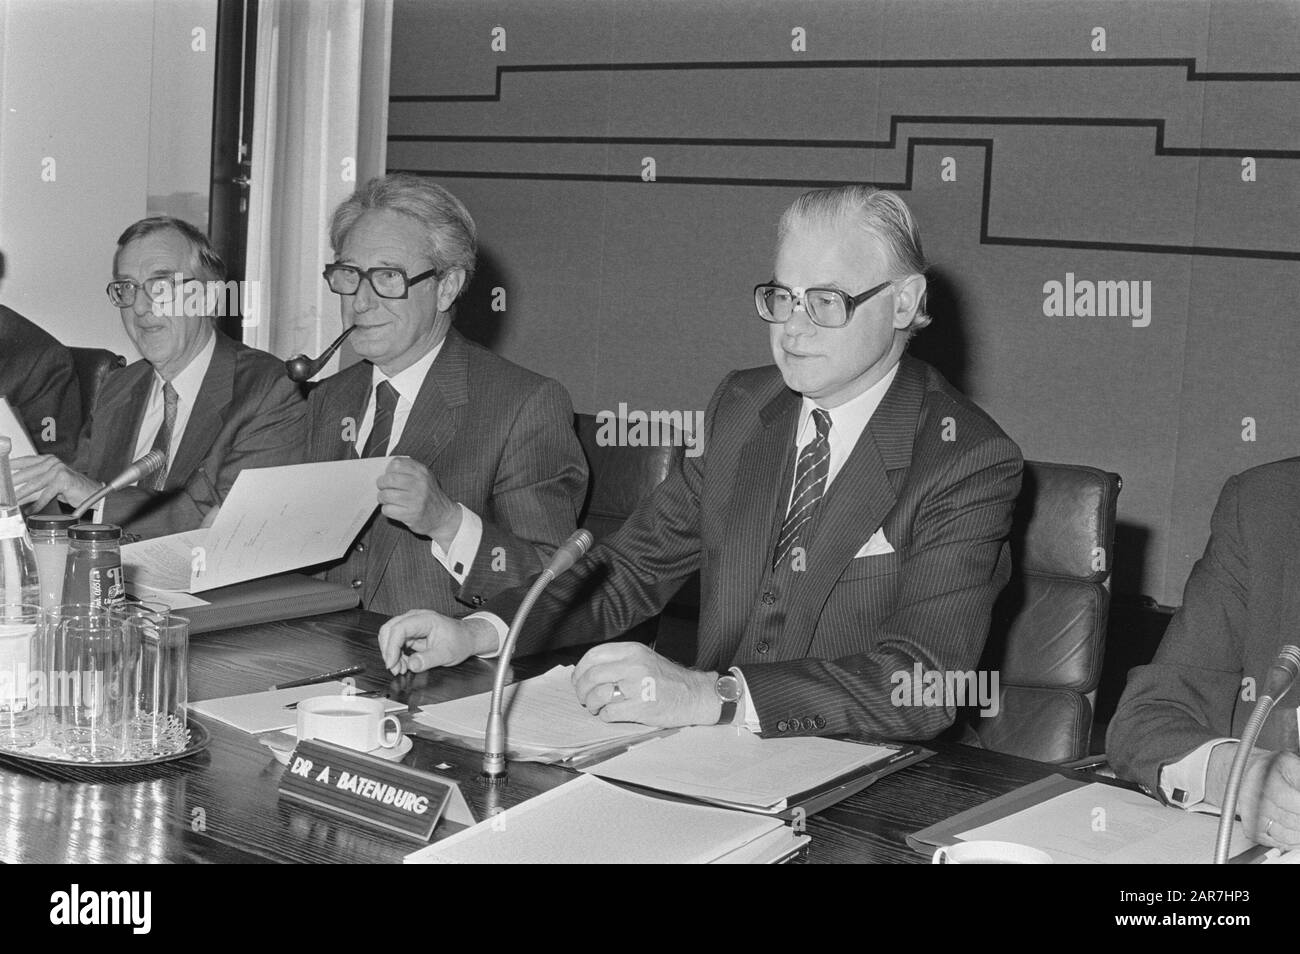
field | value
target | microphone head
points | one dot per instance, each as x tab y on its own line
150	462
1289	658
570	552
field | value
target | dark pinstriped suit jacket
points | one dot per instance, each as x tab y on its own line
817	647
248	414
1240	607
499	439
39	382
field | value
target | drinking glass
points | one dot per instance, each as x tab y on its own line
22	673
94	655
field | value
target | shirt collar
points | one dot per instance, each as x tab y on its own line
407	383
189	381
850	419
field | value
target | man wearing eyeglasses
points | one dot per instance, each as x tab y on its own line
212	405
487	475
848	518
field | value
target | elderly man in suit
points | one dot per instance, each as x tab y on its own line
487	475
1176	728
212	405
848	517
39	383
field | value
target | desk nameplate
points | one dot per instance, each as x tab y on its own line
371	791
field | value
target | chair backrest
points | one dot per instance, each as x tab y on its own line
92	366
621	476
1048	633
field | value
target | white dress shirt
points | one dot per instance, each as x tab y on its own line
459	557
187	384
1183	782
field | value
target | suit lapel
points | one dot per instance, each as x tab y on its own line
346	403
125	406
438	411
763	472
208	415
861	496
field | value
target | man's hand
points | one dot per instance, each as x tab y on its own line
409	494
1269	803
650	688
40	479
421	639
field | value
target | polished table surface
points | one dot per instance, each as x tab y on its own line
222	805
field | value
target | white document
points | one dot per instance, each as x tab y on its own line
274	519
544	720
1102	824
731	766
276	709
587	821
13	429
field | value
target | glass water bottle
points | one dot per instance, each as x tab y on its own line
18	578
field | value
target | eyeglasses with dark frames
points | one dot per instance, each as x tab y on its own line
388	281
828	307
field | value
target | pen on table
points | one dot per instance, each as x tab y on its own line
322	677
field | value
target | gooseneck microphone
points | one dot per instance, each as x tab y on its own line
494	739
151	462
1277	683
301	368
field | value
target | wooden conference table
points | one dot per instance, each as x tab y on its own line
222	806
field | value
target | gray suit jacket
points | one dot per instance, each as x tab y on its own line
1241	605
248	414
817	647
499	439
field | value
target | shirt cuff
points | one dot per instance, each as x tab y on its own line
459	558
746	714
1183	782
502	632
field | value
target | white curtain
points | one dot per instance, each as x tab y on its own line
320	127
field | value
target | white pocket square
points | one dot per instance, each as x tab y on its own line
876	546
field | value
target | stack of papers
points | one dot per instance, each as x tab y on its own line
275	710
733	767
1104	824
274	519
588	821
544	721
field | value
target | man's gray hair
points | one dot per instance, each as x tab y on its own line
881	213
451	238
207	262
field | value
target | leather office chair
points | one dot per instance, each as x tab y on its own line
620	478
1048	634
92	366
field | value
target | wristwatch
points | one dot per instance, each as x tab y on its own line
728	689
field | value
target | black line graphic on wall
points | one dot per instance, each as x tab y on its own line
1158	126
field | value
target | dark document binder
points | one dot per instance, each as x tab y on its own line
285	596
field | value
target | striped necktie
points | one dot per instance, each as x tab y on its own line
810	476
163	440
382	429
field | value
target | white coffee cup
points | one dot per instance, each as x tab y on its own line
355	722
990	853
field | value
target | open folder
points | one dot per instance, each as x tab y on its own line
274	519
1077	821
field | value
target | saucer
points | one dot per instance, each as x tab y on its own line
277	742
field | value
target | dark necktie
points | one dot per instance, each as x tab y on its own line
382	429
163	441
810	476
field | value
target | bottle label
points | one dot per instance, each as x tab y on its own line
106	586
12	526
